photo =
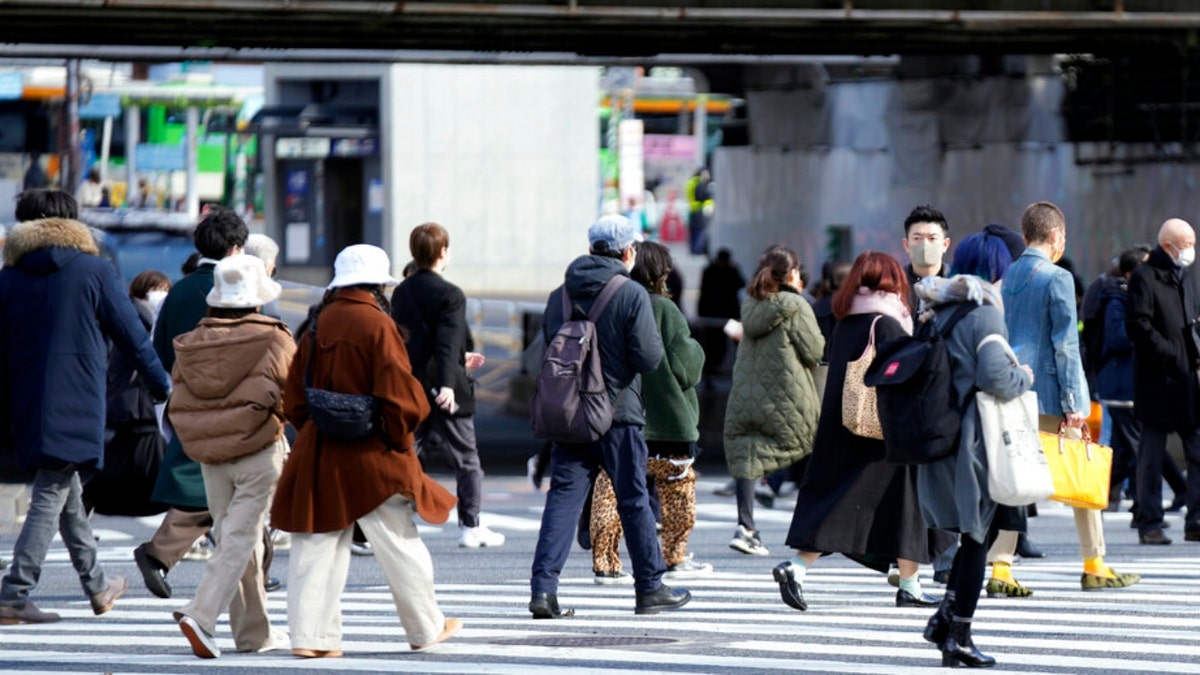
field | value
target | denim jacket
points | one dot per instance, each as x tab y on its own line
1039	310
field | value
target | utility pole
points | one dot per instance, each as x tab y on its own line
72	173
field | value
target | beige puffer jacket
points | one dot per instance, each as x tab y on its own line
229	377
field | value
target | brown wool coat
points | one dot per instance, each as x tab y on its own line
328	483
229	376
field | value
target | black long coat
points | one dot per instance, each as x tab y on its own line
1161	308
851	500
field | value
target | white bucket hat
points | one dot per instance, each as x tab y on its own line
241	282
362	264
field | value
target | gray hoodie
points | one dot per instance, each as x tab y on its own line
629	341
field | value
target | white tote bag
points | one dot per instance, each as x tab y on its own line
1017	471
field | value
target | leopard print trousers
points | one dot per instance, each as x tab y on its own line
676	483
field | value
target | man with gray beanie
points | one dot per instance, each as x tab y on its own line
629	346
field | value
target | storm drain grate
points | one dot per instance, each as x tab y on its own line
585	641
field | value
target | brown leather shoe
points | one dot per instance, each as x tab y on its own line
103	601
452	626
11	616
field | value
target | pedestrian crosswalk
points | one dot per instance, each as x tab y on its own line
736	623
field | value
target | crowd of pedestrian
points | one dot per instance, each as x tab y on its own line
372	384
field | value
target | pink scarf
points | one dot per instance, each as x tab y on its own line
867	301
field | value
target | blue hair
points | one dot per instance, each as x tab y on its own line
983	255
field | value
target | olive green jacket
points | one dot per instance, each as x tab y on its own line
771	416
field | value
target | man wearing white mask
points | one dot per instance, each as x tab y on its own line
926	240
1161	322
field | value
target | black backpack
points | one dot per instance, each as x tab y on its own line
914	389
570	403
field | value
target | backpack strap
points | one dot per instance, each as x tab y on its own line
606	294
610	289
964	308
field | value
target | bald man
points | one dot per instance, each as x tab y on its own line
1161	323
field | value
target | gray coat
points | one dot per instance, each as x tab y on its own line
953	491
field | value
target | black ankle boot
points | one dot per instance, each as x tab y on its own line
939	624
958	648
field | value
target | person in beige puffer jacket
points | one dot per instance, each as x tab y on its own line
227	410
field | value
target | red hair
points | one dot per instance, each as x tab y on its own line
878	272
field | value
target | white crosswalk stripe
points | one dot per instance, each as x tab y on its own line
852	627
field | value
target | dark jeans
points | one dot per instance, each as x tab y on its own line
1149	476
454	437
622	454
55	505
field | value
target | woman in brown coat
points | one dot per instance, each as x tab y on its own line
329	484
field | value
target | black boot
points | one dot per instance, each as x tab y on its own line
939	624
958	648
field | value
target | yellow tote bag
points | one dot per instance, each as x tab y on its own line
1081	469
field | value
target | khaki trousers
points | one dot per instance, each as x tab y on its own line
319	563
239	495
1089	524
175	536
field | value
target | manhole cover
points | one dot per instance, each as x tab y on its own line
585	641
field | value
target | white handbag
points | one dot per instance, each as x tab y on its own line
1017	471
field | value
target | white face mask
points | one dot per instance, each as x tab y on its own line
926	253
1187	256
155	300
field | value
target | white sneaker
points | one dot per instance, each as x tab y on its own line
613	579
203	644
688	569
278	640
747	542
479	537
363	548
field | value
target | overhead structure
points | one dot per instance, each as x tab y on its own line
251	29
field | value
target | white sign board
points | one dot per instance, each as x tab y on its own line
631	163
302	148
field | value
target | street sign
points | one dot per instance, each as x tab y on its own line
302	148
101	106
159	157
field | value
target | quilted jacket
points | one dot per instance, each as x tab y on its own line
771	416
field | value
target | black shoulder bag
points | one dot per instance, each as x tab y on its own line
349	417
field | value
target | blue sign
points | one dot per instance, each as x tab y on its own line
159	157
11	86
101	106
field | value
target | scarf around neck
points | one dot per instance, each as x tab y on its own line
867	301
935	292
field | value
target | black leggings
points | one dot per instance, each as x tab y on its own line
966	573
745	502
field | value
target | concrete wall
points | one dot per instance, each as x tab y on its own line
505	158
865	154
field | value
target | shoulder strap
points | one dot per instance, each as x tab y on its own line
996	337
610	289
963	309
312	348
